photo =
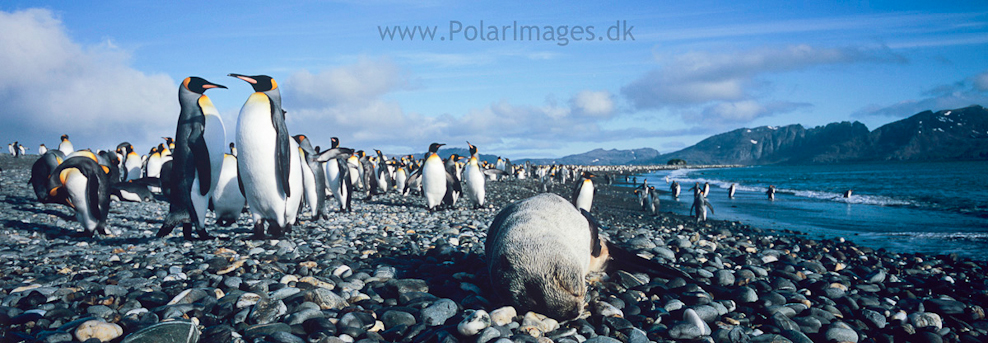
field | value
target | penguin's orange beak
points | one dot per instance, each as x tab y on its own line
244	77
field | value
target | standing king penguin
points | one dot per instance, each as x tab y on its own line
338	178
269	163
197	158
474	179
584	191
437	184
313	178
66	146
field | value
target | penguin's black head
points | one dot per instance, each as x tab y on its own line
335	143
260	83
232	145
199	85
299	138
65	137
434	147
473	149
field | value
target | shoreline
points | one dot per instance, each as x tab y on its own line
381	272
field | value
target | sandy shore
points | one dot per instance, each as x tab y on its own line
391	271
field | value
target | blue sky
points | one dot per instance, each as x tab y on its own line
107	72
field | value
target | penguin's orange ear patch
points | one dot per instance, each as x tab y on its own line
106	169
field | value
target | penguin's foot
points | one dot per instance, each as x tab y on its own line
83	234
187	231
164	231
258	231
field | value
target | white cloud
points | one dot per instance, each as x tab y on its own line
970	91
50	86
729	115
351	102
701	77
981	81
597	104
367	79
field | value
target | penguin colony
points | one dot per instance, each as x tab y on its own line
540	250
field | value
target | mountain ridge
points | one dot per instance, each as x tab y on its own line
956	134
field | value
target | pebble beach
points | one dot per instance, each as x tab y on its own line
390	271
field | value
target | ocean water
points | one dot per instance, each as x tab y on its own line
930	208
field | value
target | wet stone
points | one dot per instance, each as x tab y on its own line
177	331
437	313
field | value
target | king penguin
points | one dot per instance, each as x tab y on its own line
66	146
771	192
700	205
473	177
313	178
197	158
338	178
152	166
731	190
132	163
437	183
401	177
42	149
584	191
676	189
540	250
228	200
82	184
269	164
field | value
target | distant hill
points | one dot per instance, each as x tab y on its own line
601	157
960	134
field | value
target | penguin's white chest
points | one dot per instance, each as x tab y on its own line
75	184
585	199
474	180
257	142
433	181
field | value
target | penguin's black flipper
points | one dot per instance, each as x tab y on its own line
92	188
576	192
240	182
412	179
333	153
104	196
282	151
451	181
201	156
494	172
595	244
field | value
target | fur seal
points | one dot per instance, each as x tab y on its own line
540	250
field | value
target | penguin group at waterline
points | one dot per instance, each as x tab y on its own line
277	178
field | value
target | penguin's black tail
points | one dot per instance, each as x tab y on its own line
626	260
